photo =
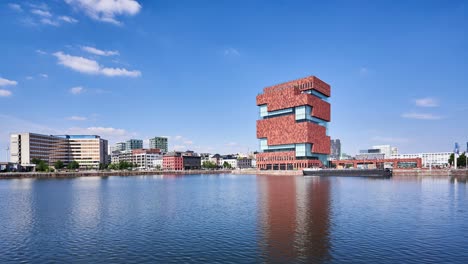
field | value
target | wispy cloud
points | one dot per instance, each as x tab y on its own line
68	19
99	52
6	82
105	10
42	13
5	93
427	102
421	116
43	75
88	66
232	144
77	90
15	7
77	118
38	51
231	52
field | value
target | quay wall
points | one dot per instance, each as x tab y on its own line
20	175
427	172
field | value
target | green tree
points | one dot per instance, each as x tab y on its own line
451	159
58	165
209	165
461	161
42	166
73	165
226	165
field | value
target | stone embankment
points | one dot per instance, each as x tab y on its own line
269	172
19	175
429	173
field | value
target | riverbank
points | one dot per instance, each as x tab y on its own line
40	175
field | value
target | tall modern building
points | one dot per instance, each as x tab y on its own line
293	125
133	144
120	146
335	149
158	143
87	150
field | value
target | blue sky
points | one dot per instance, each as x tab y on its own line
191	69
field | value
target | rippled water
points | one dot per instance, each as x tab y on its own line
233	218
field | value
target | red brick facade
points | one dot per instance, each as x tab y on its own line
173	163
285	130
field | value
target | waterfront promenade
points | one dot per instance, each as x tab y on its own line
71	174
460	173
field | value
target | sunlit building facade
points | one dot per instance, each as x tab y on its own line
88	150
293	125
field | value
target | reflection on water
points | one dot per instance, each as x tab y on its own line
234	218
294	217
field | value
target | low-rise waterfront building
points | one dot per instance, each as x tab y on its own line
88	150
173	161
434	159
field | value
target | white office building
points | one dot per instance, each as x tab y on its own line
436	159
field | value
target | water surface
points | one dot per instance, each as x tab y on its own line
233	218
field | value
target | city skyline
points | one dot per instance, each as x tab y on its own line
191	71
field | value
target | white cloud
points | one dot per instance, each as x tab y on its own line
421	116
4	93
110	133
15	7
106	10
77	90
99	52
231	52
427	102
42	13
38	51
231	144
77	118
67	19
178	137
389	139
88	66
6	82
50	22
29	77
43	75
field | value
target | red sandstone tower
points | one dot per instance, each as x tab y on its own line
293	125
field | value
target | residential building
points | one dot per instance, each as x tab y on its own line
435	159
142	158
335	149
133	144
217	159
231	162
120	146
159	143
191	162
241	163
88	150
173	161
293	125
158	163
